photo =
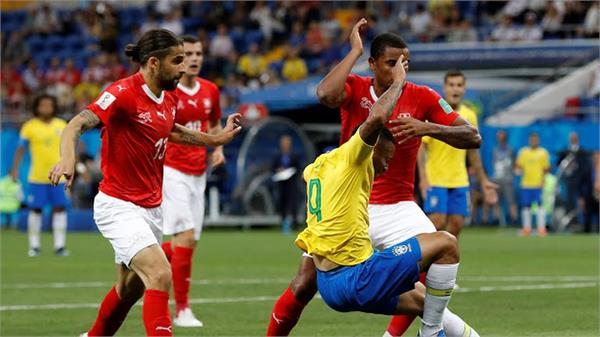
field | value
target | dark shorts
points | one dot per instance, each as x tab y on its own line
374	285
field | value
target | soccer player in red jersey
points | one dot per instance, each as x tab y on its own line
393	214
138	118
185	177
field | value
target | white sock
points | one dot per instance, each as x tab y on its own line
526	215
34	226
541	218
59	228
454	326
441	279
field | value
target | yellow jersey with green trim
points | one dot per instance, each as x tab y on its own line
533	163
338	186
446	165
44	146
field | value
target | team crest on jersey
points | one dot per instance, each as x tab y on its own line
144	117
105	100
366	104
180	105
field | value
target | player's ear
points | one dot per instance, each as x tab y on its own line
371	63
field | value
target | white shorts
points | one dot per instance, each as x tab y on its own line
128	227
183	202
394	223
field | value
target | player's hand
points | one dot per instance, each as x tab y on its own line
490	194
355	40
65	168
14	174
217	158
399	70
231	129
406	128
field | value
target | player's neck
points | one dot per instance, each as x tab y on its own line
151	83
188	81
378	88
46	120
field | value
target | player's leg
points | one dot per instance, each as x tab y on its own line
436	206
58	200
289	306
526	201
117	303
440	257
36	201
540	213
458	209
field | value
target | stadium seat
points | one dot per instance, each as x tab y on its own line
253	36
55	43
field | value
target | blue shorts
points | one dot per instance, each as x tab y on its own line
529	196
41	195
374	285
450	201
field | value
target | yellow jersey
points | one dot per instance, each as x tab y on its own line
44	146
446	165
338	186
533	163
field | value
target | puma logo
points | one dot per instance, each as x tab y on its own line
161	115
120	87
164	328
277	319
193	102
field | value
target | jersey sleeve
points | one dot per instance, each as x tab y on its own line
350	82
26	132
356	150
109	102
520	158
426	140
437	109
472	117
215	114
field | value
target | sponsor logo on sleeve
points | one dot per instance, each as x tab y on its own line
105	100
445	106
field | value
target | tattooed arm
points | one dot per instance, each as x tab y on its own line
181	134
84	121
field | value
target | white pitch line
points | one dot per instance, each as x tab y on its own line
27	307
61	285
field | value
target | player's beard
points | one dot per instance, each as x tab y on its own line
169	83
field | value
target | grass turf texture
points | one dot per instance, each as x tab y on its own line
237	275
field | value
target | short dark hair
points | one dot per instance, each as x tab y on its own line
39	99
453	73
155	42
190	39
381	41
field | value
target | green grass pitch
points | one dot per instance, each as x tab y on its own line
509	286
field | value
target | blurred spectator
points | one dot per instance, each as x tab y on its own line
286	166
463	33
514	7
330	26
313	43
576	174
252	64
503	158
97	70
107	27
261	14
221	44
533	162
71	75
574	16
173	22
552	21
164	7
150	23
43	20
386	22
15	49
591	24
505	31
33	76
294	68
297	36
55	72
530	30
116	69
419	23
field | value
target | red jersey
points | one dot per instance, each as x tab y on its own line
197	107
420	102
137	125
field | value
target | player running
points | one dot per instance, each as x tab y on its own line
41	135
185	177
350	276
138	118
393	215
444	180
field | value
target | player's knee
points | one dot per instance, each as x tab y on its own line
160	278
186	239
450	247
304	286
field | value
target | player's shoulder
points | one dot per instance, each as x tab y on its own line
59	121
418	89
358	79
207	84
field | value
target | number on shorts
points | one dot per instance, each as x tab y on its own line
314	187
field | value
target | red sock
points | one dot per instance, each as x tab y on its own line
111	314
400	323
181	265
155	312
285	315
166	247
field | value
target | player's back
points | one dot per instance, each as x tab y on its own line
136	129
338	186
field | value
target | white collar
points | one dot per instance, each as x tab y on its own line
189	91
153	97
374	95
